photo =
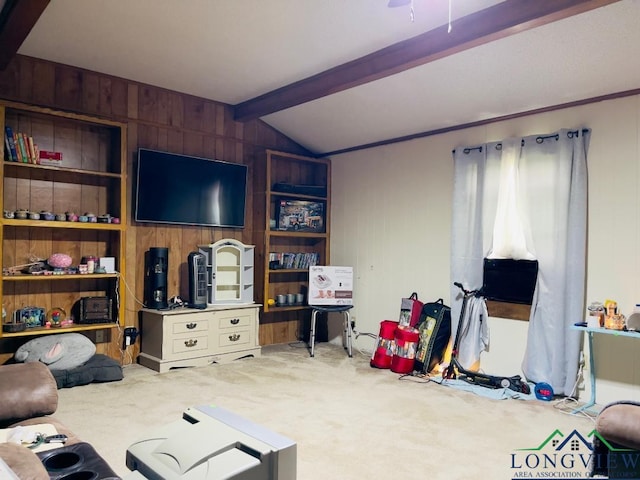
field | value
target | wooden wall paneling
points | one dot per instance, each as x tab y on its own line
10	80
41	196
229	150
39	295
250	132
174	142
62	296
133	101
67	197
176	110
68	140
176	258
23	192
147	136
43	92
220	120
219	152
91	150
104	96
229	125
209	118
193	113
91	93
27	74
67	242
114	94
148	104
194	144
43	134
283	330
191	238
209	146
9	243
39	246
10	193
68	83
8	302
158	119
163	110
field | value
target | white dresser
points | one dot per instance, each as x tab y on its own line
188	337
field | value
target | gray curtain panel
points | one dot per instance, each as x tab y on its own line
551	196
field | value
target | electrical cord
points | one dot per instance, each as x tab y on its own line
355	337
569	404
125	353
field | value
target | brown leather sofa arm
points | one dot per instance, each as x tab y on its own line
619	422
26	390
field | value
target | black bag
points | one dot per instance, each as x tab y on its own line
434	329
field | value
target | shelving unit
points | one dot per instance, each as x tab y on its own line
91	178
298	174
229	271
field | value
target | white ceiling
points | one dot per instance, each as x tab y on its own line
234	50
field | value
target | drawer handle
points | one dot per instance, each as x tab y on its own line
235	321
191	325
235	337
191	342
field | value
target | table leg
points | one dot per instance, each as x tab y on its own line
592	376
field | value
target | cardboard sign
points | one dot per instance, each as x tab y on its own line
330	285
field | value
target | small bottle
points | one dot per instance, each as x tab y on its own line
91	264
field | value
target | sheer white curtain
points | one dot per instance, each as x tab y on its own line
550	196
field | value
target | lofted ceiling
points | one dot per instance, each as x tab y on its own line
338	75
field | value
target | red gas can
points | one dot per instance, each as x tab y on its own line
406	343
383	352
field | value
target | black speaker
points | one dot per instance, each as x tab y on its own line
155	280
197	280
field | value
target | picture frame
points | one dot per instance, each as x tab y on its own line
300	215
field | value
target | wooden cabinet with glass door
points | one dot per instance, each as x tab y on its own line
292	205
90	179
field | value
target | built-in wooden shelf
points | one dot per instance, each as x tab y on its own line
65	329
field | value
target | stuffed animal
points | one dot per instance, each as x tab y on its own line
59	352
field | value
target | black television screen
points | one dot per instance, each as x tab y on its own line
181	189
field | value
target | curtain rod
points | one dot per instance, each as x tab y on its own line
539	139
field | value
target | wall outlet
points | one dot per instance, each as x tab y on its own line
100	336
130	335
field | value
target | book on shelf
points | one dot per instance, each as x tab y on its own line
21	147
11	144
32	150
28	142
295	261
24	153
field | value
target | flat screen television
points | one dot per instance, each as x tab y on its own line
186	190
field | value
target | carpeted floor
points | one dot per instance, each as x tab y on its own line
350	421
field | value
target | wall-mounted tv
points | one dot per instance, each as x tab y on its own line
185	190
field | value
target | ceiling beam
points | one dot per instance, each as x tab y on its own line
18	18
493	23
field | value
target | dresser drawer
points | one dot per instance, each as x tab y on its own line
234	320
234	338
192	344
194	324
